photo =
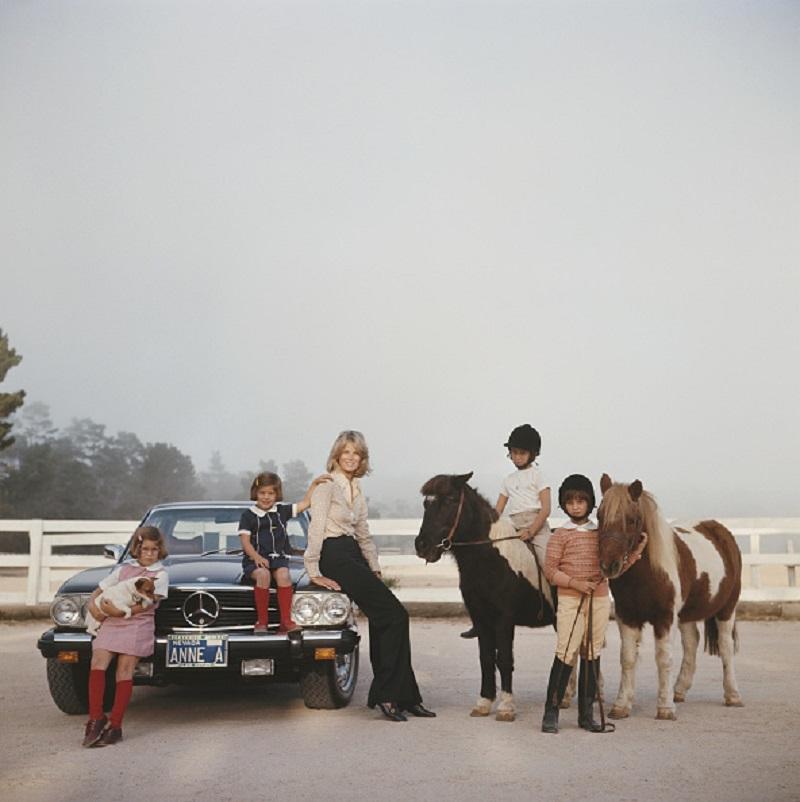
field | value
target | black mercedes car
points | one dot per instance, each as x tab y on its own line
204	628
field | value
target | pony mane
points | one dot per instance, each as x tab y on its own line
449	484
660	537
485	507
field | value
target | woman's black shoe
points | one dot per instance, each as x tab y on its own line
470	633
419	711
391	711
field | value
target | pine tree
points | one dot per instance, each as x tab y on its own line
9	402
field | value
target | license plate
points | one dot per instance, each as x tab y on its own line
197	651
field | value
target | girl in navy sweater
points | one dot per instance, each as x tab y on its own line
265	543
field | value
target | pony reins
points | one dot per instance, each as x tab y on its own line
588	648
447	543
605	726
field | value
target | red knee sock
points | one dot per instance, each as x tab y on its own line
121	698
262	603
97	689
285	608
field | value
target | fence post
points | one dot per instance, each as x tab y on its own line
45	561
755	570
35	561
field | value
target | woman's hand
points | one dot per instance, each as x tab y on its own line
324	582
525	534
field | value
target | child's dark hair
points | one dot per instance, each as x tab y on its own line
576	486
267	479
152	533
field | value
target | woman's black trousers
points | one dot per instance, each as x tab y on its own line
389	646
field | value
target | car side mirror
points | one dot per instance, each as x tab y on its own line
113	551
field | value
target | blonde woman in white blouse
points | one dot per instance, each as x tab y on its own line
341	555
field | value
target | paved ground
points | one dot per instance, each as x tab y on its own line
183	744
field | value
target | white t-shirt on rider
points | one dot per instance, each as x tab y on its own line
522	488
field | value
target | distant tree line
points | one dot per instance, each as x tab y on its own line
83	471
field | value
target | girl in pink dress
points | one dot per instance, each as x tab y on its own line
127	638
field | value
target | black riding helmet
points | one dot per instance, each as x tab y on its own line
526	438
576	483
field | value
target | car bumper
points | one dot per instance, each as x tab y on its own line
286	651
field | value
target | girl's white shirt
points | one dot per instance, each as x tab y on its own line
587	526
522	488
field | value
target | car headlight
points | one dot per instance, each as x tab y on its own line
68	611
306	608
320	609
336	608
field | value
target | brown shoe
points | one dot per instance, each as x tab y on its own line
110	736
94	729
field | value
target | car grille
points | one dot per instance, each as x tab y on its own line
236	610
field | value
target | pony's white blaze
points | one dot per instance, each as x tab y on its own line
706	556
517	553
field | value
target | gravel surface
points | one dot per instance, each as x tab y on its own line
189	743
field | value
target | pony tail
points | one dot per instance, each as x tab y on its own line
711	640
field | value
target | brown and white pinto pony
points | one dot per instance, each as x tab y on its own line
683	576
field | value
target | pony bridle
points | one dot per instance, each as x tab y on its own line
447	543
623	535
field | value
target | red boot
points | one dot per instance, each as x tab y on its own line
285	610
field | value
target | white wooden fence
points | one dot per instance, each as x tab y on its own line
395	541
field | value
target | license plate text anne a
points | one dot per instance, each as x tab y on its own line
197	651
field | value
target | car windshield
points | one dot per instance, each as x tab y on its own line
195	530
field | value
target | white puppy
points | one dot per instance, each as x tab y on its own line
123	595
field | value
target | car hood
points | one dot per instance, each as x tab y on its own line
215	569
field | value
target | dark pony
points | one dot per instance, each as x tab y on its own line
685	575
498	578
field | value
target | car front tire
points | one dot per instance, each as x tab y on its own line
69	686
329	684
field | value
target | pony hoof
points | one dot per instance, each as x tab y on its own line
565	703
619	712
665	714
482	707
504	715
679	697
737	702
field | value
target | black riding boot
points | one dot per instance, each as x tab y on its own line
587	691
556	687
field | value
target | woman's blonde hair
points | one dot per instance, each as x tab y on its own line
349	437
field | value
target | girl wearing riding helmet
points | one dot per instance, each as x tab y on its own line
573	565
525	495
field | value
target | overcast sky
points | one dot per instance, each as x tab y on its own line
245	226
